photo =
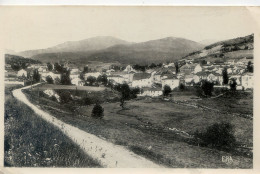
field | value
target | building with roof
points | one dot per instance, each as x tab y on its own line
151	92
22	73
247	81
142	80
117	79
171	82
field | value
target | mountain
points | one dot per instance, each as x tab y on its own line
154	51
91	44
237	48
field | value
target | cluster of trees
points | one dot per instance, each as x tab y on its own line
93	81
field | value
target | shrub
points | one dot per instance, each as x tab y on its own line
49	80
166	90
65	96
97	111
219	135
182	87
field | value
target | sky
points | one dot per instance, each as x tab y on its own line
27	28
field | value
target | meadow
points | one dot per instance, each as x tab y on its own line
158	130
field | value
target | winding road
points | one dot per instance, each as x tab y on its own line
108	154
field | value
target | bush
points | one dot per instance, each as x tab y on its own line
219	135
166	90
49	80
182	87
65	96
98	111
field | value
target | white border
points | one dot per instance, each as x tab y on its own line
135	2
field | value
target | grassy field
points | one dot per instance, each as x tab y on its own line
144	128
241	102
70	87
32	142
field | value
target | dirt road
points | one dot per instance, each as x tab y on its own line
108	154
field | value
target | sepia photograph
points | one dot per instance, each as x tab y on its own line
128	87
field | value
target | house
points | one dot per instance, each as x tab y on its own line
142	80
159	74
237	77
189	79
171	82
22	73
74	75
129	68
77	81
247	80
151	92
116	78
215	77
189	68
197	68
203	75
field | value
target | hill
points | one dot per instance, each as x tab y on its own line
91	44
154	51
236	48
13	59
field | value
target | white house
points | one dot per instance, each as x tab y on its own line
197	68
117	78
237	77
22	73
152	92
142	80
129	68
247	80
172	83
77	82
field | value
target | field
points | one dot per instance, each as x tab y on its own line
70	87
240	102
32	142
146	127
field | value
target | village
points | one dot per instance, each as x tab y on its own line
151	80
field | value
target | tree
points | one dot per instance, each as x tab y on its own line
81	76
233	84
59	68
36	76
102	79
219	135
65	96
65	78
49	80
97	111
207	87
49	66
225	76
177	67
250	67
134	92
125	93
152	66
91	80
166	90
15	67
85	69
181	86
